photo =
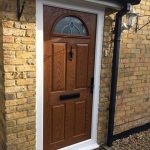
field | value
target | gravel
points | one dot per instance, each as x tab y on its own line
139	141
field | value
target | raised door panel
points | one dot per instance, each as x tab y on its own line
82	65
59	66
71	67
79	126
69	120
58	126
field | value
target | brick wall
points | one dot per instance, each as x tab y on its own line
2	104
105	78
19	75
133	94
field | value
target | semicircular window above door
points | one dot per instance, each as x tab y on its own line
70	25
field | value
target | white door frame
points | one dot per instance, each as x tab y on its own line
91	143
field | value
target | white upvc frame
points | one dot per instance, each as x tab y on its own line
91	143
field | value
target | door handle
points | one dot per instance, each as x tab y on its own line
92	85
71	54
69	96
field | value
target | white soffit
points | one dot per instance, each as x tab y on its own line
106	3
95	4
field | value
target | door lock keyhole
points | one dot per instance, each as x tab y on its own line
71	54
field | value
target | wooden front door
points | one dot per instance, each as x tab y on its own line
69	48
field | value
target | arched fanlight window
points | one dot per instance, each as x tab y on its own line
70	26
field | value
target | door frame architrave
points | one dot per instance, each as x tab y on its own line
91	143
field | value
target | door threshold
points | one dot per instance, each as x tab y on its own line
85	145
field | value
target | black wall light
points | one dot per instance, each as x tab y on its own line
20	8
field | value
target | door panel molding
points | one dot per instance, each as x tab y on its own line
91	143
59	66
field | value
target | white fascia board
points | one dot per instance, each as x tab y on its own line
106	3
95	4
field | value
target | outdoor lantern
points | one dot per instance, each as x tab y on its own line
131	20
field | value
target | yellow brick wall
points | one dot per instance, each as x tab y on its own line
2	102
19	75
105	76
133	95
17	49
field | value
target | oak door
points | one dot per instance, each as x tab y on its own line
69	48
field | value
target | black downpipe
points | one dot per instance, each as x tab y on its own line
115	64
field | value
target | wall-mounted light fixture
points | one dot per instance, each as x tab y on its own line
20	8
131	20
